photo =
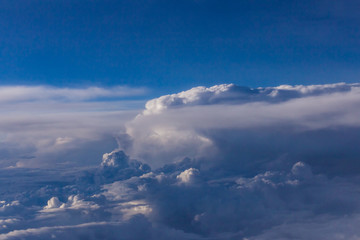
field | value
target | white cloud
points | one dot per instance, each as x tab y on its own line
4	205
43	125
188	176
232	94
227	162
53	203
10	94
35	232
191	123
132	208
73	202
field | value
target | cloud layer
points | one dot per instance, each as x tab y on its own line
224	162
38	93
42	126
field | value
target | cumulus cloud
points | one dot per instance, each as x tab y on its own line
224	162
73	202
218	122
188	176
232	94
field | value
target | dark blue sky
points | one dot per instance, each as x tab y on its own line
171	45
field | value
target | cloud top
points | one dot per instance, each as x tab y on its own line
233	94
213	122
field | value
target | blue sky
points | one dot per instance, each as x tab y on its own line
172	45
107	133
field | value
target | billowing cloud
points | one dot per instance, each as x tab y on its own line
224	162
188	176
225	122
232	94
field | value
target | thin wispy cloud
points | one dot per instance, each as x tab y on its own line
10	94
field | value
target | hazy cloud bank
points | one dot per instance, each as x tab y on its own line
42	126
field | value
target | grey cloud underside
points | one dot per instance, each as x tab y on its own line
210	163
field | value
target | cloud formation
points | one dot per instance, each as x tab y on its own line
224	162
41	126
218	122
10	94
232	94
